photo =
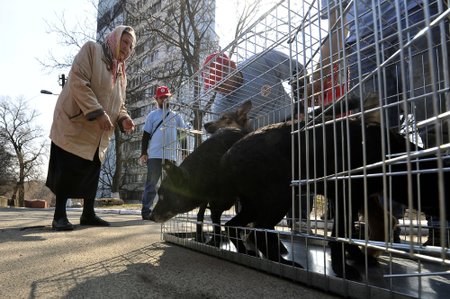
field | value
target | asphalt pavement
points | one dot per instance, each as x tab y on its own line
129	259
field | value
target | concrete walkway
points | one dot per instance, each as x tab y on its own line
126	260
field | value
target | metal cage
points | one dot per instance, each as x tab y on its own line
366	88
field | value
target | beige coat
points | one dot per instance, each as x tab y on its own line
89	88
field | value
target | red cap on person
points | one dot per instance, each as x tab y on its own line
162	91
214	68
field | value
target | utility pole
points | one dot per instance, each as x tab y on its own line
62	80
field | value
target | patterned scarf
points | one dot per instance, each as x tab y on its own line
111	48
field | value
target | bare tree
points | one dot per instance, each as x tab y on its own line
24	139
71	37
6	168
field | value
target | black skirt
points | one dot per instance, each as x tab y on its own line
70	176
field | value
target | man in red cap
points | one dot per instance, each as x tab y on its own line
158	144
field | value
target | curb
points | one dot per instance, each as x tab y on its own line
110	211
97	210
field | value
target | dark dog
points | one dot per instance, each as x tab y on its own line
259	168
198	182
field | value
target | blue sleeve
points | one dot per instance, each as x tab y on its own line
282	64
148	125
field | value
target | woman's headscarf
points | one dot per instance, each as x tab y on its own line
112	50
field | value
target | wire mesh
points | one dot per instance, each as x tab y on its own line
363	89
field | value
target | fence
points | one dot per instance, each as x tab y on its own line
364	88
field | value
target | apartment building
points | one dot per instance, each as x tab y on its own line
168	51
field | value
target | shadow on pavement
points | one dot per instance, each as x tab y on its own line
28	233
162	270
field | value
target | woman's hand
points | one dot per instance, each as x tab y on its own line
128	125
104	122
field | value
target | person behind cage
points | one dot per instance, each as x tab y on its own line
377	35
90	105
158	144
259	79
416	63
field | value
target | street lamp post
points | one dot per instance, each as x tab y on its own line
62	79
43	91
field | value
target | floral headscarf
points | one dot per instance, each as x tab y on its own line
112	50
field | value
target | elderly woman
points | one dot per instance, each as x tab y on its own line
90	105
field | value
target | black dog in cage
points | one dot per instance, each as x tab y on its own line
260	170
197	182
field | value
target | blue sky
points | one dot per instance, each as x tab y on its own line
25	38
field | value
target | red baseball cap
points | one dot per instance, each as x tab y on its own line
213	68
162	91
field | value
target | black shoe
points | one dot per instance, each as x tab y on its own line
146	217
62	224
93	220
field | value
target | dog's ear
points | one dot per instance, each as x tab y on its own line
244	108
172	170
242	115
